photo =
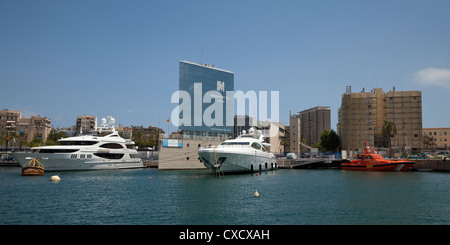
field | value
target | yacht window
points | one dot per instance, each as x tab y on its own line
235	143
134	155
57	150
256	145
112	146
77	142
130	146
108	155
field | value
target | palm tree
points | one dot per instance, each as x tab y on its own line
139	139
6	138
284	142
389	130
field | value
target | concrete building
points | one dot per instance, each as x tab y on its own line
275	133
85	124
294	133
307	125
436	138
313	122
26	128
362	116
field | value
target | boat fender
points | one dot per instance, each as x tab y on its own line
256	193
55	178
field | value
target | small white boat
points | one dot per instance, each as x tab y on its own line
246	153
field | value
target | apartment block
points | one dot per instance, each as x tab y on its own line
27	128
85	124
294	133
313	122
362	115
436	138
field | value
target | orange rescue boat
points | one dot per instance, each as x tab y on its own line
371	161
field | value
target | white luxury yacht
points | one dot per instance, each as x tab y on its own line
86	152
246	153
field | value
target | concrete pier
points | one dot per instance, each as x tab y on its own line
307	163
432	165
421	164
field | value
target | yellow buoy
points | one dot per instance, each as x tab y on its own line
256	194
55	178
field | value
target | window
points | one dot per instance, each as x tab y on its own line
57	150
112	146
84	142
256	145
108	155
235	143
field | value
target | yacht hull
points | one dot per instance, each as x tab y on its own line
235	161
64	162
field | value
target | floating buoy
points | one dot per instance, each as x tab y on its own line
256	193
149	177
256	174
55	178
195	177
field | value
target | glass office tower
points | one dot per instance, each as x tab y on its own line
194	76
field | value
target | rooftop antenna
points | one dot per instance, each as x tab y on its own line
201	55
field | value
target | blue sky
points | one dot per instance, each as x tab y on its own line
65	58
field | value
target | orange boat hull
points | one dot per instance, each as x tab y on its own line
388	166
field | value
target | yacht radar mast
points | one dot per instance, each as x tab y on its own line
110	126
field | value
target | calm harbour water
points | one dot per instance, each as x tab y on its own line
287	197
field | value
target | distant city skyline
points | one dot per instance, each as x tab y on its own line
61	59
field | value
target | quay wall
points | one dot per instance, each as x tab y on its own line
186	157
432	165
421	164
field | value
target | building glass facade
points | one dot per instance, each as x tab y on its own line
193	75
